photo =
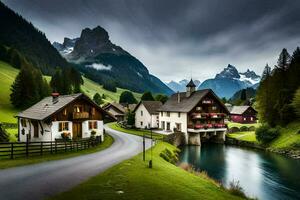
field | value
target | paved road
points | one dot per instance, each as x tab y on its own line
42	180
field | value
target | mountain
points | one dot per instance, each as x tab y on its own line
20	35
230	80
66	47
181	85
106	63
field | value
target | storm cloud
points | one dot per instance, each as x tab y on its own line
177	40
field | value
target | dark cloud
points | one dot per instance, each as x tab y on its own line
178	39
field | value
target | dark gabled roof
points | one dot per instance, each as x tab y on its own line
120	107
239	110
46	108
151	106
191	84
186	104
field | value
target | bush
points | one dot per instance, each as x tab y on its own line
266	134
252	128
234	129
244	128
236	189
169	156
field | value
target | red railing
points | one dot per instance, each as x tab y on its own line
206	126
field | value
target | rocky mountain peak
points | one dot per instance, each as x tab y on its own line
229	72
250	74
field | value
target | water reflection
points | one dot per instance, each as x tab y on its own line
263	175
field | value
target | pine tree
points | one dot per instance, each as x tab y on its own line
127	97
243	95
161	97
147	96
296	102
284	59
97	99
266	72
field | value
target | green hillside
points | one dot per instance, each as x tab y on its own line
8	74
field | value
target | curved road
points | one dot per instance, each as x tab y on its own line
39	181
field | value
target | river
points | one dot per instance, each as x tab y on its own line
261	174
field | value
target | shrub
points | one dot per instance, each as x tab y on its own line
169	156
234	129
266	134
236	189
244	128
251	128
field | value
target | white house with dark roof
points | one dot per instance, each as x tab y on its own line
119	110
199	115
147	115
76	116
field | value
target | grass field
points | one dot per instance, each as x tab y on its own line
7	163
147	133
132	180
244	136
239	125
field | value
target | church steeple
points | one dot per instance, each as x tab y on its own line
190	88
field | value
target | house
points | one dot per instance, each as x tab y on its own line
243	114
75	116
119	110
146	114
197	114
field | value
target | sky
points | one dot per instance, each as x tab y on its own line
178	40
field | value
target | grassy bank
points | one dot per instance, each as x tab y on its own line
7	163
132	179
137	132
248	136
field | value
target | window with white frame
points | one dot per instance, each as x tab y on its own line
93	125
179	114
23	123
141	123
214	107
162	114
168	114
63	126
141	113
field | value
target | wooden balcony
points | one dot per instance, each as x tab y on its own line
207	115
81	115
206	126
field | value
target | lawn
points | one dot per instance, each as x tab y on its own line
132	179
7	163
138	132
7	77
90	88
244	136
239	125
288	137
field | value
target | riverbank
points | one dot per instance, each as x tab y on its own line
133	179
288	142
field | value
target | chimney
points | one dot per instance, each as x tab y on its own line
178	97
55	96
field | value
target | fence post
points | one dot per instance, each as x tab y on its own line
12	151
65	146
41	148
27	144
51	147
55	146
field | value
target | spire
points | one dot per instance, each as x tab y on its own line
190	88
191	84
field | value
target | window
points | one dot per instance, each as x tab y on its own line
65	112
168	126
198	108
93	125
168	114
179	114
163	125
93	111
162	114
214	107
178	127
23	123
78	109
251	118
63	126
244	118
141	123
141	113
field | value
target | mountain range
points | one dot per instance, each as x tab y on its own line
104	62
181	85
230	80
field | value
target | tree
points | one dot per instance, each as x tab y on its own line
296	103
162	98
266	72
97	99
127	97
3	134
130	117
147	96
28	88
110	86
284	59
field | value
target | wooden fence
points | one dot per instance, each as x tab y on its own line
26	149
